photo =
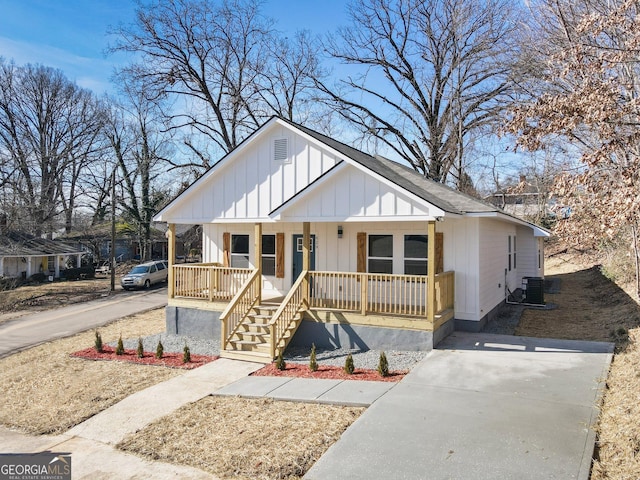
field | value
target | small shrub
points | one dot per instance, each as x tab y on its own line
280	363
383	365
186	355
98	342
140	350
349	367
313	364
120	347
159	350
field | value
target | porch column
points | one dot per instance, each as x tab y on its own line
306	257
258	258
1	266
171	256
29	273
56	266
431	272
79	260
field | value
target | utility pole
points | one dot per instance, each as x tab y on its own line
113	230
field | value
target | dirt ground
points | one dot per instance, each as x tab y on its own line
46	391
48	295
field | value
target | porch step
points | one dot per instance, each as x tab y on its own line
247	356
257	328
253	345
265	309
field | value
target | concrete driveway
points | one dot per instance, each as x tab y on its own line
481	406
29	330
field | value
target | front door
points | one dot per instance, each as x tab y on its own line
297	255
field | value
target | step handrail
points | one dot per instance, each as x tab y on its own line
287	310
239	307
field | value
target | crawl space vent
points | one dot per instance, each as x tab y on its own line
281	149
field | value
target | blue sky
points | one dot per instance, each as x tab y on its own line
71	34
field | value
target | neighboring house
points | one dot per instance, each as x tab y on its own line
22	256
523	200
366	252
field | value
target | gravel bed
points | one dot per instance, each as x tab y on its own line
174	344
367	359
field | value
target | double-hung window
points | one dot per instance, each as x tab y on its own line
240	251
380	257
512	252
415	254
268	254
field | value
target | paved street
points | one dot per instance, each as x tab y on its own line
29	330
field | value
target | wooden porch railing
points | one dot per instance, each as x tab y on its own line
208	281
445	291
369	292
286	313
380	293
239	307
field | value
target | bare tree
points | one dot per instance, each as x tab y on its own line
226	64
48	135
141	148
435	72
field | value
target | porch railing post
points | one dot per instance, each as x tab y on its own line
212	277
171	255
431	272
306	259
364	293
258	259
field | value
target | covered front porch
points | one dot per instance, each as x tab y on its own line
258	325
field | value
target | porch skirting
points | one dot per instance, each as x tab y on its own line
326	329
203	323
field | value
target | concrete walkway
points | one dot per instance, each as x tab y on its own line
482	406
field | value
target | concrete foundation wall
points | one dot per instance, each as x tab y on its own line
344	335
477	326
191	321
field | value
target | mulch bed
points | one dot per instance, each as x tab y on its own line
173	360
324	371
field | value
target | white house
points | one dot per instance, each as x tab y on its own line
22	256
365	251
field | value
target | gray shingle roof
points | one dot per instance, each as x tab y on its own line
438	194
14	244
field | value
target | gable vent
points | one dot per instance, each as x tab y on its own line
281	149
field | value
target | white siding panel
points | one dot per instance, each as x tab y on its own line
356	193
461	254
241	189
250	184
387	201
403	206
342	191
494	262
371	196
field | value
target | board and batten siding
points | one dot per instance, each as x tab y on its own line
332	253
461	255
350	194
254	184
529	247
493	246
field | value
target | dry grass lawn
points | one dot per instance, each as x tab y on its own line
591	307
236	438
45	391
